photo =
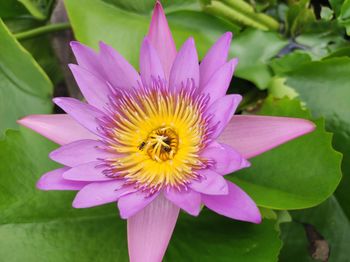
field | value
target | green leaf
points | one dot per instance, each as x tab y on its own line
344	17
37	8
24	87
295	243
329	220
326	13
44	221
299	174
324	87
146	6
255	48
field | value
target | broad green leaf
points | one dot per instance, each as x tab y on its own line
146	6
125	31
299	174
330	221
24	87
11	8
295	243
255	48
325	88
42	226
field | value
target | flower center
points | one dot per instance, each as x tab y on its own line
158	135
161	144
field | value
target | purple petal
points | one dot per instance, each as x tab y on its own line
236	204
88	59
94	89
92	171
80	152
150	230
253	135
215	58
218	84
160	37
53	180
83	113
189	200
132	203
222	110
211	183
61	129
185	66
226	159
150	65
99	193
120	73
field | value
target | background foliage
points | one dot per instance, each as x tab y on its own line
294	61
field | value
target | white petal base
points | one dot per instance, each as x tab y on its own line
150	230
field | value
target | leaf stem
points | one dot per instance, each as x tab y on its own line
42	30
238	11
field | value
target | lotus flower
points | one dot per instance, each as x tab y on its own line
157	141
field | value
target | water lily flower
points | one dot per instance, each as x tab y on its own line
157	141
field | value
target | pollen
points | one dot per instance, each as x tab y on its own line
158	135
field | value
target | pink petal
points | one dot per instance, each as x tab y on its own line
99	193
215	58
53	180
185	66
237	205
94	89
150	65
119	72
83	113
88	59
226	159
92	171
222	110
160	37
80	152
189	200
218	84
211	183
132	203
61	129
253	135
150	230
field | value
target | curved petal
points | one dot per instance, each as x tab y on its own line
236	204
94	89
119	72
80	152
150	65
218	84
189	200
83	113
215	58
99	193
211	183
253	135
222	111
226	159
185	66
150	230
132	203
53	180
92	171
88	59
160	37
61	129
